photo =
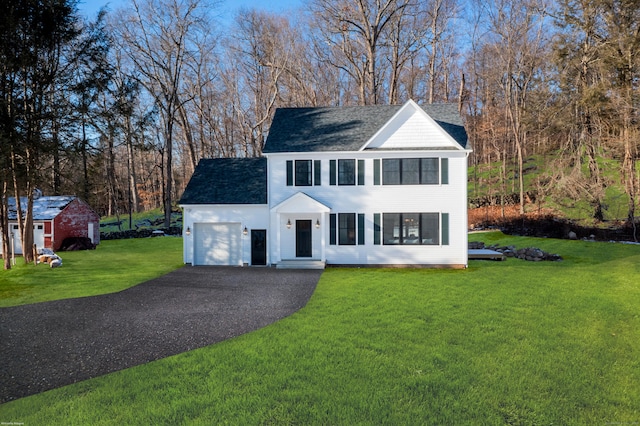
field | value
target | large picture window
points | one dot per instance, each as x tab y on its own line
413	171
412	228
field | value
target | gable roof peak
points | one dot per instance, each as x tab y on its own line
434	126
349	128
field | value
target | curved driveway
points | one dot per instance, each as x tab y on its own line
52	344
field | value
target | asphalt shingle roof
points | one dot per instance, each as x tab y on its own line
228	181
346	128
44	207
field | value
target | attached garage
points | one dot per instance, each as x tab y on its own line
225	213
217	244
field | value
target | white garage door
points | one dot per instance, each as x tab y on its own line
217	244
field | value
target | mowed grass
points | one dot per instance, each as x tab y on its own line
499	343
113	266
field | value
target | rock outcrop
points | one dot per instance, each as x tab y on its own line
531	254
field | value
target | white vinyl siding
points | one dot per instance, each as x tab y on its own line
211	217
370	199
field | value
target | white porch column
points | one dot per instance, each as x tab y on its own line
276	252
323	233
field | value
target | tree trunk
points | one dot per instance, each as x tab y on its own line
56	157
4	227
188	136
168	172
133	181
85	161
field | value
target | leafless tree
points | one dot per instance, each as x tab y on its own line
357	36
160	38
578	54
621	55
517	42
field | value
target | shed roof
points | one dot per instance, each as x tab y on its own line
44	208
228	181
346	128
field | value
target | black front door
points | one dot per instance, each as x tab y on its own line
258	247
303	238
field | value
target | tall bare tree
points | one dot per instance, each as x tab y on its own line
356	34
159	36
578	52
517	42
621	55
440	14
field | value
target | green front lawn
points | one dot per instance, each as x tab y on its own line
113	266
499	343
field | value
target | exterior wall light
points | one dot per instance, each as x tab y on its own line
188	231
245	231
317	223
288	223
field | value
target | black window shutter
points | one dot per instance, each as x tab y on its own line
376	172
376	228
444	238
289	173
444	171
317	172
332	172
360	172
360	229
332	229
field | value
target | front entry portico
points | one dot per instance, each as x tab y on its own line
300	225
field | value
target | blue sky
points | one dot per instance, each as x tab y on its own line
89	8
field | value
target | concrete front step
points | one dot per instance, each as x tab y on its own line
301	264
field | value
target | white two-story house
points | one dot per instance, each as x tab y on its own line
365	185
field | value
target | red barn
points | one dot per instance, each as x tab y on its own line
54	219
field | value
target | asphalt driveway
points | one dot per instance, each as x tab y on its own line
52	344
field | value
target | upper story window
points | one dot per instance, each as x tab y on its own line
412	171
304	172
346	172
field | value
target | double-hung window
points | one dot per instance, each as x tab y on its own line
303	172
346	229
346	172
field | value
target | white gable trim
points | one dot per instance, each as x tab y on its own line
300	203
378	139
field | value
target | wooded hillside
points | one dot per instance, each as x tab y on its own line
119	109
